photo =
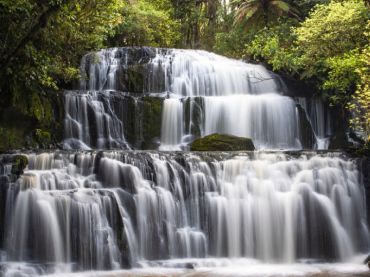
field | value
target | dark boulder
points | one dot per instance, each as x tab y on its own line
222	142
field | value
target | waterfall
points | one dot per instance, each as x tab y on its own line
320	120
109	210
238	98
172	125
91	122
269	119
90	208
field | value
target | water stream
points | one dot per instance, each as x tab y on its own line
99	208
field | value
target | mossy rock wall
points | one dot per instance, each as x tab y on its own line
31	119
151	121
222	142
142	119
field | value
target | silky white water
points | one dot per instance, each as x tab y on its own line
82	211
230	96
124	213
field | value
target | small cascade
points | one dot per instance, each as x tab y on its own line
237	98
320	120
91	121
107	210
269	119
200	73
172	124
102	70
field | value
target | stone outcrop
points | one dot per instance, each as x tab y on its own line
222	142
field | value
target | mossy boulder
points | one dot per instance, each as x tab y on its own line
19	164
222	142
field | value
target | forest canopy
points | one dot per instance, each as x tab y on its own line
321	42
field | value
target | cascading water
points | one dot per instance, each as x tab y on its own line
172	125
237	98
109	210
320	120
91	122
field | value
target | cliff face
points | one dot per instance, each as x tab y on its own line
31	119
364	166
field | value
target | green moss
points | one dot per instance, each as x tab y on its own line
30	119
36	108
135	79
19	164
42	137
222	142
40	108
152	120
11	138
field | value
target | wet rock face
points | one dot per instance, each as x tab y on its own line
141	118
307	135
364	163
222	142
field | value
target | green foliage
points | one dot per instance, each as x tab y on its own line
146	24
11	138
360	102
231	43
263	11
231	39
320	41
330	31
20	162
199	21
329	48
43	41
275	45
342	74
42	137
324	48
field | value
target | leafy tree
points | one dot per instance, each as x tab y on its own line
274	45
255	11
43	41
199	21
329	33
360	102
232	42
324	48
328	49
147	23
